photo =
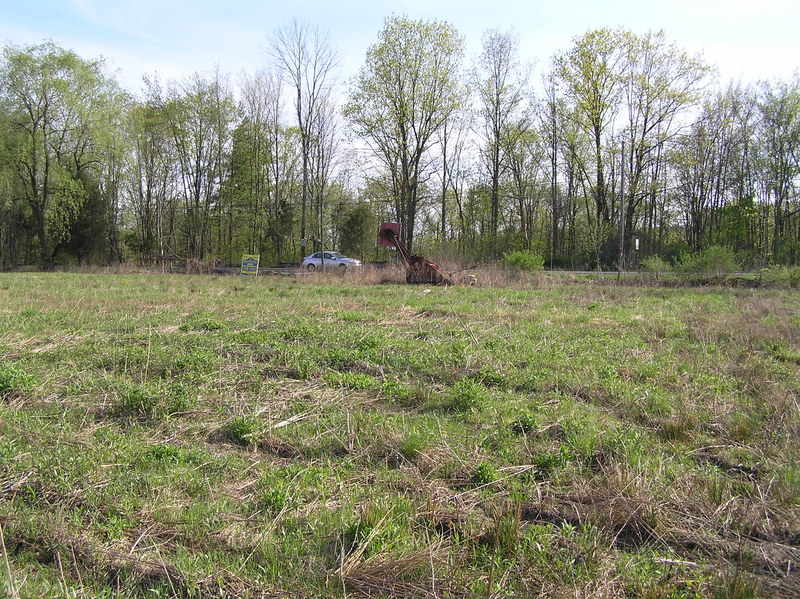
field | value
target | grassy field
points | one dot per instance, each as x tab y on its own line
182	436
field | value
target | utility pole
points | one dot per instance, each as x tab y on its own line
621	256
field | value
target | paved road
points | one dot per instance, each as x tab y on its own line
295	270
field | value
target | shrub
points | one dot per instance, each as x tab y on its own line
655	266
716	260
522	260
780	276
794	277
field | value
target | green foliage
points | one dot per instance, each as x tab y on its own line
525	424
13	380
139	399
413	445
655	266
149	399
488	376
200	323
483	474
413	65
522	260
715	260
374	530
419	453
179	397
62	109
351	380
171	455
242	430
548	461
466	396
355	227
276	499
780	276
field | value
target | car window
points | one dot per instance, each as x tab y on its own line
328	256
315	255
338	255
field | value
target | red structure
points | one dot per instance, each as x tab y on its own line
418	269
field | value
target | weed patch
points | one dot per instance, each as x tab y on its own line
14	381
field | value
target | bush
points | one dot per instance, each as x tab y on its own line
780	276
794	277
715	260
522	260
655	266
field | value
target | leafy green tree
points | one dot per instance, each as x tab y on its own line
779	105
404	93
661	82
501	83
706	165
591	75
152	177
356	230
58	105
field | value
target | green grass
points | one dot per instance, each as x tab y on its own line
181	436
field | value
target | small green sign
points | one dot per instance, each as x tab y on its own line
250	264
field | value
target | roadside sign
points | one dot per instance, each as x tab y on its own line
250	264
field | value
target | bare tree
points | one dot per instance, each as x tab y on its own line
152	175
661	83
307	58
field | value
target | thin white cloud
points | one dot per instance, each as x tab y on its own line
745	39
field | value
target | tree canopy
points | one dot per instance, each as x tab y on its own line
622	134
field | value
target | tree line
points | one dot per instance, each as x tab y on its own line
623	147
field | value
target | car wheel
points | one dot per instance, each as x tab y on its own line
310	268
342	267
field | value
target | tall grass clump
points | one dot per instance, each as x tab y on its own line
14	380
467	396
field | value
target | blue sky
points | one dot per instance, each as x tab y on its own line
747	40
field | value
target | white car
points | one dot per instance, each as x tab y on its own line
332	260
